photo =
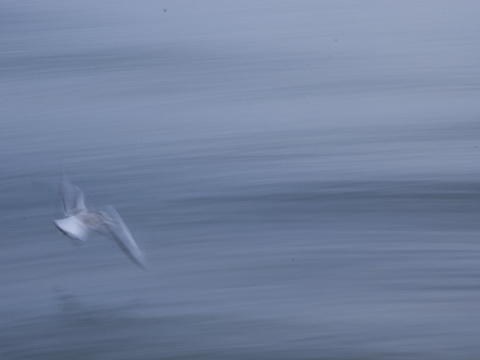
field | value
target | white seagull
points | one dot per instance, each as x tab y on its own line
79	222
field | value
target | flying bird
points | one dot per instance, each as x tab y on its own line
80	222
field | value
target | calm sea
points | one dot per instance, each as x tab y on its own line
303	177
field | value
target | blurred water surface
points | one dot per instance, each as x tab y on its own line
303	177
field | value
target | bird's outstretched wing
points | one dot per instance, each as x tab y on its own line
72	197
119	232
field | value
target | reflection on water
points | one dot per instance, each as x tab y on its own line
303	179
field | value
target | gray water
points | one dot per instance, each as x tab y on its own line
302	176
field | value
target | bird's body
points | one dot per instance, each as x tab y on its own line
79	223
73	227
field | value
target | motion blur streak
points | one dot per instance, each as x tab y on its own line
304	176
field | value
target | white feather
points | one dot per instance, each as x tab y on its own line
73	227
